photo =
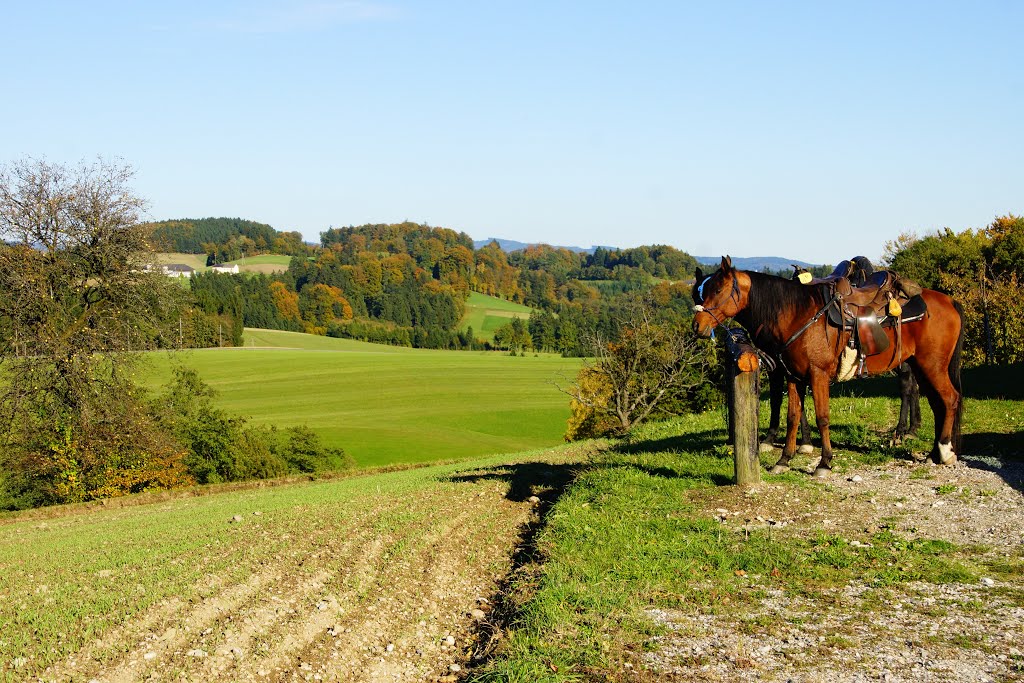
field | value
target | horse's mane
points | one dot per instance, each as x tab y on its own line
771	295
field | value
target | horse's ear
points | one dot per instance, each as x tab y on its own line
698	275
726	262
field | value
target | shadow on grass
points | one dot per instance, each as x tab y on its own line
708	441
548	482
987	382
545	480
709	444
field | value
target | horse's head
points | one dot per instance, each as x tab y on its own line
717	297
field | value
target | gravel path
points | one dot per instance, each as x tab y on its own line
914	631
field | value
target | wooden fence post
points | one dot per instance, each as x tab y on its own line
744	394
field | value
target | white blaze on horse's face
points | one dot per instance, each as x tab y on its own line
715	292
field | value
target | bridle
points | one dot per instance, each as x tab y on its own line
710	310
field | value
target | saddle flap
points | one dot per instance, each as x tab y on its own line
871	337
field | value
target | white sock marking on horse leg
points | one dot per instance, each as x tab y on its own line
946	454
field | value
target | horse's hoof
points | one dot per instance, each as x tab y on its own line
766	447
779	469
946	454
822	472
805	449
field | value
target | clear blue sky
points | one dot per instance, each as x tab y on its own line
811	130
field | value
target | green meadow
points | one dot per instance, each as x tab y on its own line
485	314
197	261
265	263
383	404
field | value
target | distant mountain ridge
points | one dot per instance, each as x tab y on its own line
757	263
509	246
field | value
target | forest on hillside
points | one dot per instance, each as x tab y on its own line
224	239
406	284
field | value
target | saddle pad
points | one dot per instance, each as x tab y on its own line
913	310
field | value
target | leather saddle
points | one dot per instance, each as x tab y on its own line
864	301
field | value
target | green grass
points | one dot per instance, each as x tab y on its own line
633	532
197	261
263	259
386	404
485	314
264	263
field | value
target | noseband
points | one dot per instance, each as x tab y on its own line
710	310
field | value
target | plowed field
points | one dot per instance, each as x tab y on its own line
371	578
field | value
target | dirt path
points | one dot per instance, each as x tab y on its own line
394	593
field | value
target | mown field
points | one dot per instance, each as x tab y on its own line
264	263
383	404
623	561
197	261
485	314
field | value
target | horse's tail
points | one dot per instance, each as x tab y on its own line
954	377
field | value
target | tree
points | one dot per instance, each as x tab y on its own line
650	363
513	336
76	294
982	270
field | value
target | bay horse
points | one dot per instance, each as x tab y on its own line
910	410
784	319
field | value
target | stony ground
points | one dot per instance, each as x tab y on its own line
916	631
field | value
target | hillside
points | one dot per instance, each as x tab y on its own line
485	314
227	239
387	404
515	245
265	263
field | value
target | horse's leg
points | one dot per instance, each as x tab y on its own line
775	381
819	385
805	428
910	403
914	398
793	410
944	400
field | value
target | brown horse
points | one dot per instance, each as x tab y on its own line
784	319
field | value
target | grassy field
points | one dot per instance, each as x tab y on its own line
265	263
485	314
365	578
386	404
197	261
